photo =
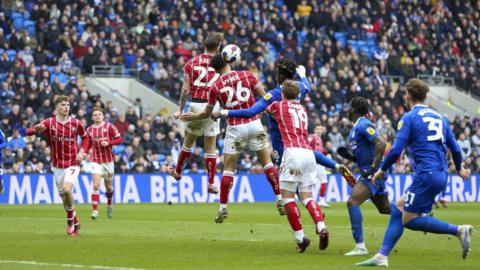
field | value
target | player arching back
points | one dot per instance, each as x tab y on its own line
237	90
102	137
198	77
368	148
298	167
426	133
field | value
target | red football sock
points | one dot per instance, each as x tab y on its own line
95	200
70	212
211	165
323	189
109	195
75	220
314	210
293	215
184	155
227	183
272	177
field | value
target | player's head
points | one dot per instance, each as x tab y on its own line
62	105
219	64
357	107
290	90
213	41
416	91
97	115
285	70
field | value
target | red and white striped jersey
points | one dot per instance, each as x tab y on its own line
235	91
104	132
63	138
202	75
316	143
292	122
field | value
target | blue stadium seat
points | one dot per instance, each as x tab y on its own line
161	158
16	15
11	54
3	76
26	15
118	149
1	51
30	26
18	23
153	66
371	36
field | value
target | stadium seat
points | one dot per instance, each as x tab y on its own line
26	15
3	76
18	23
16	15
11	54
1	51
30	26
118	149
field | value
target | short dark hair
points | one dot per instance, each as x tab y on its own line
218	62
359	105
290	89
98	109
59	99
417	89
286	68
213	40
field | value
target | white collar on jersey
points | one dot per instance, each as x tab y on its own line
99	125
358	120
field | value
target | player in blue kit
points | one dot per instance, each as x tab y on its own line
286	70
3	144
368	148
427	134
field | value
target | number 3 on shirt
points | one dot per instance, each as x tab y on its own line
435	125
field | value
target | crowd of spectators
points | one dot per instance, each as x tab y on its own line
349	48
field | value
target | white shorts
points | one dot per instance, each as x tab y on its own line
298	170
103	169
69	175
321	174
206	127
250	134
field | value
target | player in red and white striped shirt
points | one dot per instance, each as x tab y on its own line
62	131
236	90
198	77
103	136
298	168
316	144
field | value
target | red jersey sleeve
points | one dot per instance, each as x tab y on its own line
212	95
81	129
252	78
187	69
113	132
47	123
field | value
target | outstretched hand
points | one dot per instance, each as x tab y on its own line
378	175
216	115
464	173
39	128
301	71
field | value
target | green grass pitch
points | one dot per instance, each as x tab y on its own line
184	236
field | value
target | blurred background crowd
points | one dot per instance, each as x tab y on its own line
349	48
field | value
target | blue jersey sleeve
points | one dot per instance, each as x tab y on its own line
453	146
305	87
368	132
324	160
403	128
259	106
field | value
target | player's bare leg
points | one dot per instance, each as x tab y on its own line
96	179
72	222
318	218
293	216
109	194
211	162
230	161
360	193
272	177
186	152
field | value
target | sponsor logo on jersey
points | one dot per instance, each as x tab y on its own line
267	96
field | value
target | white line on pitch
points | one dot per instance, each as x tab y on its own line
67	265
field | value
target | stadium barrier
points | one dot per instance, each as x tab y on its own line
161	188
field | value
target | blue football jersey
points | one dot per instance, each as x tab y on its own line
425	132
361	142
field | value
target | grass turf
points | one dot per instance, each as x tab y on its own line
184	236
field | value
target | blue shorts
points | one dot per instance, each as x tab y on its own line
277	152
420	196
376	189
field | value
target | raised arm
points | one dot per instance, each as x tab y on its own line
183	95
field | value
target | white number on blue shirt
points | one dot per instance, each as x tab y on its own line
435	125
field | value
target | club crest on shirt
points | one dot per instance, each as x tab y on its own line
370	130
104	130
400	125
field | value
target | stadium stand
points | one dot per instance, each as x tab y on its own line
350	48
